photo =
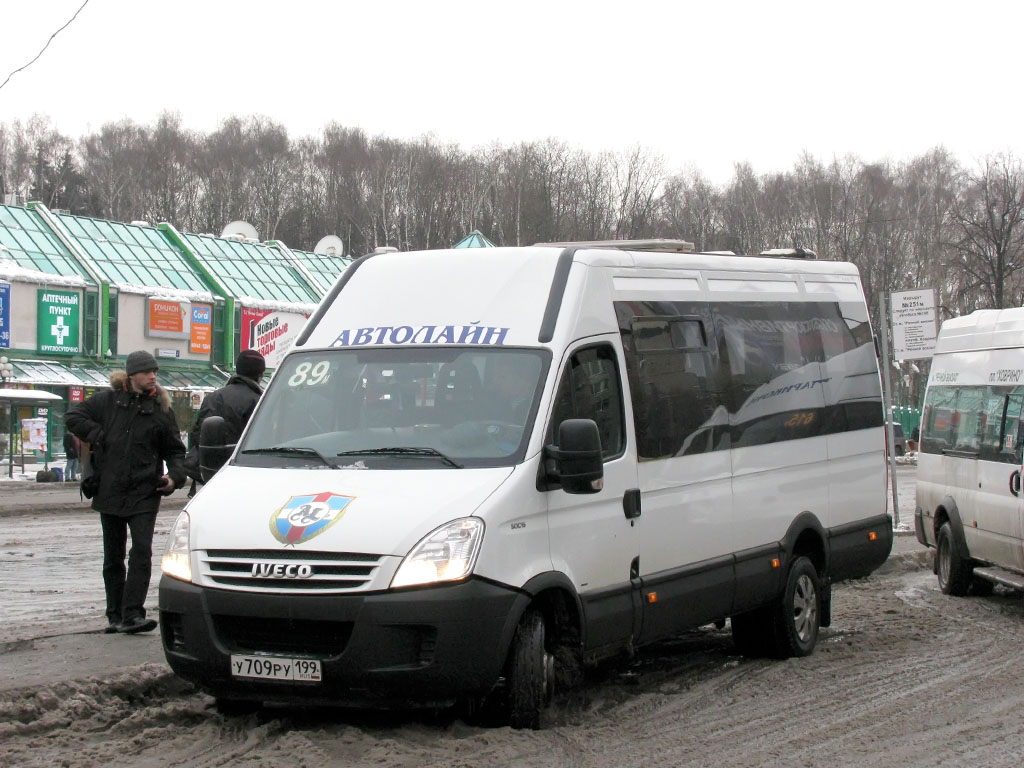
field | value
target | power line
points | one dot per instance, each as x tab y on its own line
19	69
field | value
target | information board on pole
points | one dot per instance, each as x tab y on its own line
914	329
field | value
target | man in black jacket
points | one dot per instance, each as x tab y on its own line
132	432
235	402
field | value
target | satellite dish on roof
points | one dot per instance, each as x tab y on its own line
240	230
330	245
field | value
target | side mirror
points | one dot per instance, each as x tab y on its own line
213	451
575	463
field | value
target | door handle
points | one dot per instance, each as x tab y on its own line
631	503
1015	482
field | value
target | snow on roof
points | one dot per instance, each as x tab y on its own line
11	271
274	306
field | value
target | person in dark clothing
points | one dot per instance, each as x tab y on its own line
234	402
132	434
72	455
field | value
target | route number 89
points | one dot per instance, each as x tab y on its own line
310	374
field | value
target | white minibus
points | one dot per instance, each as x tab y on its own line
969	504
479	470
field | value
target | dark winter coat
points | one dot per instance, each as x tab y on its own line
235	402
70	446
133	434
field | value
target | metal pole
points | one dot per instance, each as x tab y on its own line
890	437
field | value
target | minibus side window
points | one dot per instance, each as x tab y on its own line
993	408
590	389
1013	429
937	425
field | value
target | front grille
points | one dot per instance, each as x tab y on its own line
288	571
303	637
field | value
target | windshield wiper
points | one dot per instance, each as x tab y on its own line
292	450
403	451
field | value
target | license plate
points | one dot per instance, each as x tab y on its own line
276	668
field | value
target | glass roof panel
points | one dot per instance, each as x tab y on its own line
30	244
325	269
131	253
251	269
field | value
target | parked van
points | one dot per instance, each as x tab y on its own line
969	504
479	470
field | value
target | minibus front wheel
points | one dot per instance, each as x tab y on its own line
529	674
954	572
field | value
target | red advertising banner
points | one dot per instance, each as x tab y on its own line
270	333
76	394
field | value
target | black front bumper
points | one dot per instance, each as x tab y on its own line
418	647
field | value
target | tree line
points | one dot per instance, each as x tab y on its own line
924	222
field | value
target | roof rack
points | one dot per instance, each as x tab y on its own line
790	253
667	246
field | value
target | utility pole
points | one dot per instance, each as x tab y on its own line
890	439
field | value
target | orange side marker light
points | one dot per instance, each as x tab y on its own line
652	597
775	562
872	536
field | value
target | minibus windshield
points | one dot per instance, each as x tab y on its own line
398	408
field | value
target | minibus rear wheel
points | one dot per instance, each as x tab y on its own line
954	571
797	614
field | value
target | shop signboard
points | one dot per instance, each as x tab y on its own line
201	339
168	319
5	315
270	333
76	394
58	319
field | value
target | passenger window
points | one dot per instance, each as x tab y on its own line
1013	429
672	382
968	419
590	389
937	422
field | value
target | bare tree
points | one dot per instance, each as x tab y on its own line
988	219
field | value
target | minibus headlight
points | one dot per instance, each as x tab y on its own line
175	562
447	554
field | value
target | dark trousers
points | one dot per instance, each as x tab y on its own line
126	592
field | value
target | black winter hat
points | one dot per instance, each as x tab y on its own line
250	364
140	361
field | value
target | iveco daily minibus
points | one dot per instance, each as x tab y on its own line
969	503
478	470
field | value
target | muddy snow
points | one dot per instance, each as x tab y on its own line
905	676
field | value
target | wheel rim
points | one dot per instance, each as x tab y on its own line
805	608
945	562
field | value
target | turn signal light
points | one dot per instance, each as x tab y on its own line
872	536
652	597
775	562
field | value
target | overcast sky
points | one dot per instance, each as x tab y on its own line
705	84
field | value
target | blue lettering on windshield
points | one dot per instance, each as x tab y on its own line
399	335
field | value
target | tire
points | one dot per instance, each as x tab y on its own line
795	618
751	632
954	571
981	587
529	673
235	707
